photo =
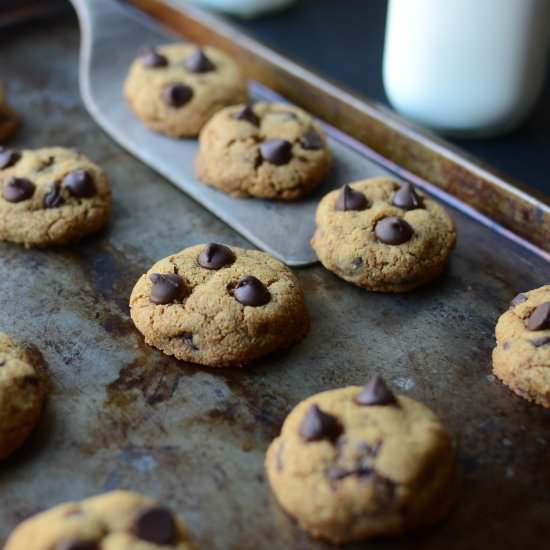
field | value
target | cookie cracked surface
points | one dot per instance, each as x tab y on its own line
268	150
119	520
374	464
521	358
365	238
175	89
22	395
219	306
50	196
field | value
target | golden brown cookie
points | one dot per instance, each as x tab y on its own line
357	463
50	196
219	306
119	520
175	89
22	394
9	119
383	236
267	150
521	358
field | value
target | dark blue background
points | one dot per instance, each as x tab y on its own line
344	40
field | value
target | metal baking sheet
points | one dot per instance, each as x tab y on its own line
122	415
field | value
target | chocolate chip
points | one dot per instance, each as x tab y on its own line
78	545
276	151
247	113
80	184
312	140
250	291
336	473
187	338
215	256
279	457
177	95
376	392
153	59
406	198
539	342
350	199
519	299
2	363
539	318
199	62
53	198
318	425
393	230
356	263
166	288
18	189
31	379
506	346
156	525
8	158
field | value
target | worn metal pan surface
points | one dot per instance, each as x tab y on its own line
122	415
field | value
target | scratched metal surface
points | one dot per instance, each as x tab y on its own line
122	415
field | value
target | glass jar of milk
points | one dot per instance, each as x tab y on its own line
466	67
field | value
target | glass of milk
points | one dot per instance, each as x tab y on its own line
466	67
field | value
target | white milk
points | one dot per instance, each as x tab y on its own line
471	67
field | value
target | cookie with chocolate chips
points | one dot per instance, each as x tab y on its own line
175	89
117	520
22	394
383	235
265	150
219	306
50	196
361	462
521	358
9	119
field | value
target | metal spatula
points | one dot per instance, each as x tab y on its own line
112	34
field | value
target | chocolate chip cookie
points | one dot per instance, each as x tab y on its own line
357	463
267	150
521	358
50	196
22	394
119	520
382	235
219	306
175	89
9	119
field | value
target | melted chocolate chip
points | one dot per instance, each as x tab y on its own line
78	545
215	256
152	59
539	342
393	230
406	198
276	151
318	425
376	392
8	158
53	198
166	288
187	338
18	189
539	318
199	62
312	140
80	184
248	114
519	299
177	95
250	291
156	525
350	199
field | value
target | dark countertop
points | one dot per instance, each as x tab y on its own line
344	40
